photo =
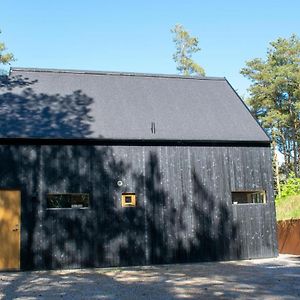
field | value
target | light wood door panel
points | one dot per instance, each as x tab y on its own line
10	213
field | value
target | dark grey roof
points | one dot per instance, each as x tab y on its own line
41	103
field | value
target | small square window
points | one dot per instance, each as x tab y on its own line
128	200
248	197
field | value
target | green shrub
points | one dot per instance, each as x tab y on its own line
291	187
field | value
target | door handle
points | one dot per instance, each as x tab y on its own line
16	227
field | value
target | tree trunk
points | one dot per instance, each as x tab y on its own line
295	154
275	159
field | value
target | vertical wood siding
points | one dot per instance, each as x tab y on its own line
184	211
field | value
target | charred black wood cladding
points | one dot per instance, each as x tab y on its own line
184	210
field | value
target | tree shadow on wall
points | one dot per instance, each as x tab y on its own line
105	234
186	228
216	232
169	228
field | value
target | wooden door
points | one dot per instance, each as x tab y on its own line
10	212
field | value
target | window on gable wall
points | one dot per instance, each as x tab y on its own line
68	200
248	197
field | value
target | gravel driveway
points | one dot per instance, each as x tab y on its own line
277	278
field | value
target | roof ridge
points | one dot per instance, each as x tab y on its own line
114	73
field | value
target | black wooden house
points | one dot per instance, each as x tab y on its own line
113	169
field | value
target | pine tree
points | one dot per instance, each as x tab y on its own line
275	96
186	46
5	57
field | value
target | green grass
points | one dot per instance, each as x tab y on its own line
288	208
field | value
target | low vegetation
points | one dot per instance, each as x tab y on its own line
288	205
288	208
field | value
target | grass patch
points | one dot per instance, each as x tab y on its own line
288	208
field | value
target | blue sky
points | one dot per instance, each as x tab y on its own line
135	35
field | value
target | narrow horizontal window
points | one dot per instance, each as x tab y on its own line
68	200
246	197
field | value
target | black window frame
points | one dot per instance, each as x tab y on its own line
72	206
256	191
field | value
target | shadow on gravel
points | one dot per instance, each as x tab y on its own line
231	280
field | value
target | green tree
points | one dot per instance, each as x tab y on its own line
5	57
291	187
186	46
275	97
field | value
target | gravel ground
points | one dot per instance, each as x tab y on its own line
276	278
